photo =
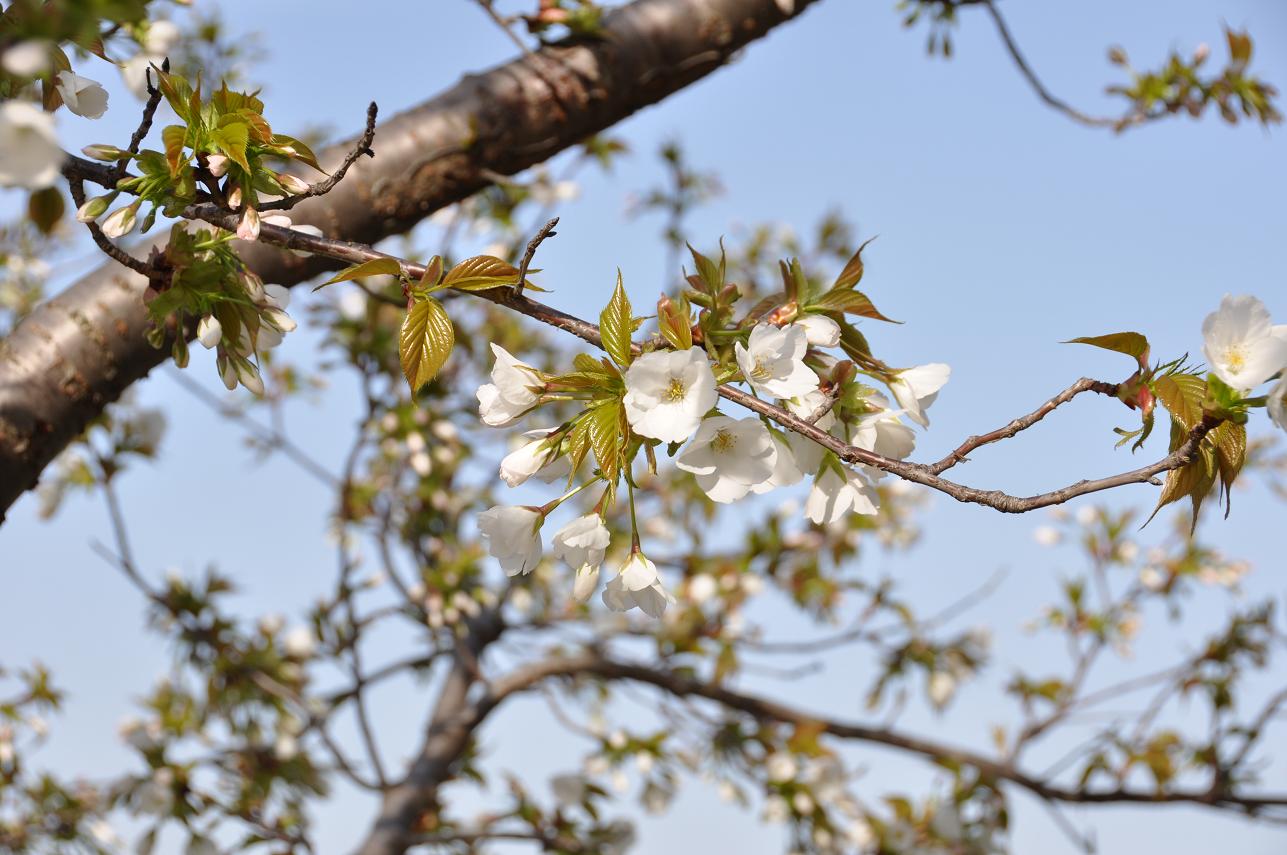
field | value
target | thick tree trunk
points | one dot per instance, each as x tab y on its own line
78	352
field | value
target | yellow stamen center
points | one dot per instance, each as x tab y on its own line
676	391
723	441
1236	358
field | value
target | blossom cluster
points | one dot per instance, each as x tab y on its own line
668	395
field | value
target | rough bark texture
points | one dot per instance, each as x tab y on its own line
78	352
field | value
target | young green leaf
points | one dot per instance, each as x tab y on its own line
712	276
482	272
850	302
433	273
674	318
1182	395
852	274
606	433
384	266
1230	441
231	138
173	137
1130	343
425	342
293	148
616	325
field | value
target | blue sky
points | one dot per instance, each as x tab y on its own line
1004	229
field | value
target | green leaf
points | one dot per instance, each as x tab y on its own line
616	325
1230	441
1182	395
433	273
176	91
173	137
482	272
231	139
852	274
587	364
674	319
1194	479
577	443
606	434
854	343
425	342
384	266
290	147
1130	343
712	275
850	302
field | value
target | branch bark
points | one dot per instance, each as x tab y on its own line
79	351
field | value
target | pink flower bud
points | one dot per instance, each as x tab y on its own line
217	165
249	228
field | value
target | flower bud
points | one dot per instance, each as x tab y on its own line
217	165
248	374
107	153
234	197
1200	55
121	222
249	228
209	331
292	184
94	208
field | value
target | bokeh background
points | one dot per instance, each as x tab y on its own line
1004	229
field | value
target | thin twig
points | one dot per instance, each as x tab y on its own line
145	125
546	231
1021	423
114	252
274	439
321	188
1012	47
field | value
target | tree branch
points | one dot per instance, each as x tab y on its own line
767	710
917	473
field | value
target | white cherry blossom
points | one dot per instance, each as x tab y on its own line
581	544
833	496
30	58
820	330
637	585
786	471
773	361
82	96
161	37
729	457
134	72
808	454
533	457
299	643
513	536
1241	346
29	151
668	392
916	388
513	391
884	433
